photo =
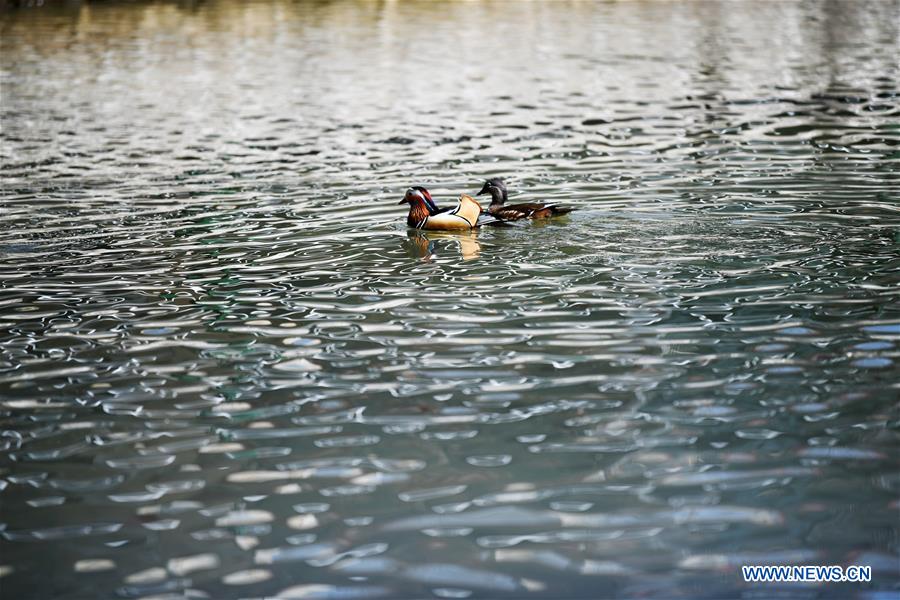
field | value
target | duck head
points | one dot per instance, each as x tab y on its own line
496	188
418	194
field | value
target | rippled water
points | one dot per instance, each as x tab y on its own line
227	369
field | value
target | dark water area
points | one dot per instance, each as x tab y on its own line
228	370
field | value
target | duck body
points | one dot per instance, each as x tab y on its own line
528	210
425	214
513	212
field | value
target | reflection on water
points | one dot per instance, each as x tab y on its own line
228	370
426	245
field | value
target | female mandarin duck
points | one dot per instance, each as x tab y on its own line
528	210
425	214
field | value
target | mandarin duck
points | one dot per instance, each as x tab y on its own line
528	210
425	214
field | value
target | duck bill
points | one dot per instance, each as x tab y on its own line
404	201
484	190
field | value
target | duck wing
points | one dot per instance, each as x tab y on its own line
529	210
468	208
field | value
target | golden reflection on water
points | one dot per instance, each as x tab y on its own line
428	245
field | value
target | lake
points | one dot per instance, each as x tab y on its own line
229	370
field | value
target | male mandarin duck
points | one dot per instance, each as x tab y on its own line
528	210
425	214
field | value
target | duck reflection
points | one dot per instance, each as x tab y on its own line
427	245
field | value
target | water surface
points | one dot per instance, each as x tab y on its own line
228	370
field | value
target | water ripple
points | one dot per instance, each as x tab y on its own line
227	368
